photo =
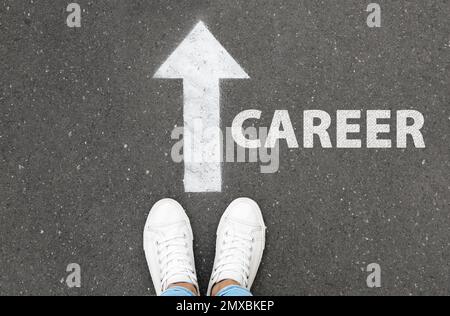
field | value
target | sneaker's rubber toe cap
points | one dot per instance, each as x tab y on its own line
166	212
245	211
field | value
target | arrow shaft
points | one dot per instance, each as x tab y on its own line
203	140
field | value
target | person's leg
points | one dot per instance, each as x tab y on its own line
168	246
239	249
178	291
234	291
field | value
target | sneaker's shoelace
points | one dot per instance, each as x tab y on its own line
235	256
174	259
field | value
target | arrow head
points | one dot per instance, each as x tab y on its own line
201	57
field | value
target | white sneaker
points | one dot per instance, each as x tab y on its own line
168	246
240	244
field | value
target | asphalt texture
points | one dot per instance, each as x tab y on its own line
85	143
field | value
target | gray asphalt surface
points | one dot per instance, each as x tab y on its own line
85	143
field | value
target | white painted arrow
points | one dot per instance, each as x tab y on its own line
201	61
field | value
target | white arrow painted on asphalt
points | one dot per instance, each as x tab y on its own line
201	61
